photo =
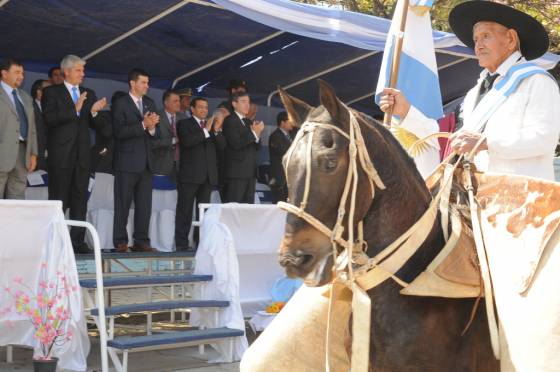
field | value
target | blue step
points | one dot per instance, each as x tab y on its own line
134	342
159	306
136	255
145	280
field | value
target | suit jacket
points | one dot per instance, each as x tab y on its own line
41	137
68	135
198	157
241	150
9	130
133	150
163	149
278	144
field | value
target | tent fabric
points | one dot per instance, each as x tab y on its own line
268	43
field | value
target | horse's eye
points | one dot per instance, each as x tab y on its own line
328	142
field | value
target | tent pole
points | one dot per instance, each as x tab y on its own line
235	52
137	28
320	73
397	58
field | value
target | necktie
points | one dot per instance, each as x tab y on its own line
21	115
486	86
203	124
174	131
139	104
75	95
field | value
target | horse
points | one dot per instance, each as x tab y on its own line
408	333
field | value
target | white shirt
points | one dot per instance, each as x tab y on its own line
241	117
523	132
206	133
38	102
138	102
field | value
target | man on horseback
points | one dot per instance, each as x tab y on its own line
513	112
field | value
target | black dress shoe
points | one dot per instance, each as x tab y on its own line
181	249
82	248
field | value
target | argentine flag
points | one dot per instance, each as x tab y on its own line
418	74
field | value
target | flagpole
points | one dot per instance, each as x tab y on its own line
393	77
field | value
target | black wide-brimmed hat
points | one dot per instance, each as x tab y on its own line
532	34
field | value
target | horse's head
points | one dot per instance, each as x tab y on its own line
317	166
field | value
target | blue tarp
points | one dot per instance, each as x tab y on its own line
198	33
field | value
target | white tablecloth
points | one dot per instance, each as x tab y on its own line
34	248
239	247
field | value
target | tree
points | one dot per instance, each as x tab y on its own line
546	11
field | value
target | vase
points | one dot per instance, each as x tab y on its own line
45	365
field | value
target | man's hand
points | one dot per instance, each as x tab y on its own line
81	101
32	163
151	119
208	124
98	106
464	141
395	100
258	127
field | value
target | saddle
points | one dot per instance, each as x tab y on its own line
454	272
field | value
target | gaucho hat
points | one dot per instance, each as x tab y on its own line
532	34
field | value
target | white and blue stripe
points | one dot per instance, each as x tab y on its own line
418	77
500	92
428	3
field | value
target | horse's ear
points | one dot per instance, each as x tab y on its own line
330	101
297	109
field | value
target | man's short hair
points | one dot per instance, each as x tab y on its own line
9	62
135	73
52	70
37	86
196	99
167	94
237	83
281	117
235	97
70	61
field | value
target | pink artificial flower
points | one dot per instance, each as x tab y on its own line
43	265
43	284
69	334
7	289
18	279
51	285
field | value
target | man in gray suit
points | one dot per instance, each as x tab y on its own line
165	147
18	148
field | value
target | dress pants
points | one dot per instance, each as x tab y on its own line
240	190
14	182
130	186
71	186
186	195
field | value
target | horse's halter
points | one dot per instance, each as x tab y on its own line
357	152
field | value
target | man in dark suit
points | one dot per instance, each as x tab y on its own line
134	125
198	168
37	94
242	138
69	111
165	147
278	144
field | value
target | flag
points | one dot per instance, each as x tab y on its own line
418	75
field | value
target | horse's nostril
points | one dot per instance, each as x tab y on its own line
298	258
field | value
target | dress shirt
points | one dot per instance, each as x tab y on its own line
206	133
521	134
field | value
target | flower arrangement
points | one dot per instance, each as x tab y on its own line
275	307
45	309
